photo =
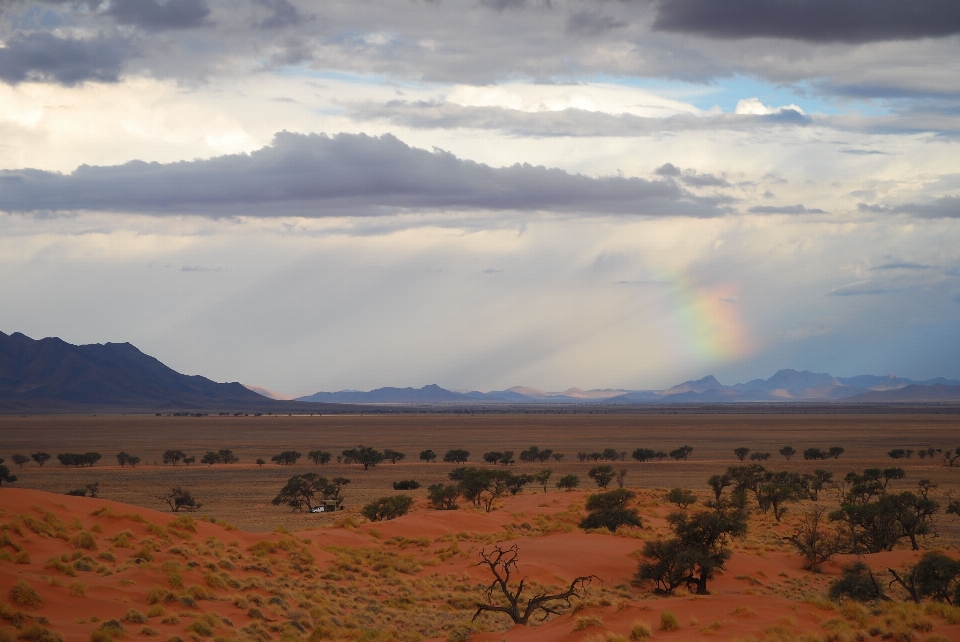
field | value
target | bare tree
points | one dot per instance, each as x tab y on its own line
816	543
503	563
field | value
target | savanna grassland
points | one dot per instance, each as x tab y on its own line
240	493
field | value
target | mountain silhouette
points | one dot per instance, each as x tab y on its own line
51	375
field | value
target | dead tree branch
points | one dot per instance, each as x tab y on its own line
503	564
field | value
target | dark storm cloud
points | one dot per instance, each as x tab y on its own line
785	209
45	57
566	122
346	174
155	15
944	207
851	21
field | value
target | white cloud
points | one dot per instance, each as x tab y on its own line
753	107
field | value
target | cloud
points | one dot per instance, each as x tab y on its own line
943	207
154	15
864	152
850	21
902	266
282	14
860	288
44	57
784	209
563	122
753	107
690	177
316	176
588	23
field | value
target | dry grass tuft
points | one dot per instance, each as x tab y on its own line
22	594
669	621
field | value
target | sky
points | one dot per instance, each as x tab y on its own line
480	194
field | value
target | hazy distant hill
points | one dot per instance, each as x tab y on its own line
51	375
912	392
428	394
785	385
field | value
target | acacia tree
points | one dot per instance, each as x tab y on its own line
484	486
610	510
788	452
19	460
602	475
741	453
302	491
393	455
718	483
173	457
456	455
503	564
5	475
698	550
286	458
180	499
683	452
319	457
681	497
444	496
428	455
40	457
387	508
366	456
543	477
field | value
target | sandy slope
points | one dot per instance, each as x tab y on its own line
411	578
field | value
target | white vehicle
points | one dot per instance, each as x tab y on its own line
318	509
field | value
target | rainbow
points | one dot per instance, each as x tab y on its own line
704	325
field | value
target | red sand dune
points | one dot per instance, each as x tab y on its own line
746	601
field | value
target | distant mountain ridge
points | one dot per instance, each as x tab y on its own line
785	385
51	372
53	376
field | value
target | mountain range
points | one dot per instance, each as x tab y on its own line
785	385
51	375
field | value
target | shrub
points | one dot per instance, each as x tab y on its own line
668	621
156	611
84	540
406	484
681	497
857	583
444	496
23	594
134	616
78	589
36	633
387	508
568	482
640	631
108	631
586	622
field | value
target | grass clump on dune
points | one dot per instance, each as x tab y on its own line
640	631
22	594
669	621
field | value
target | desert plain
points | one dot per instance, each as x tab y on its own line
121	565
